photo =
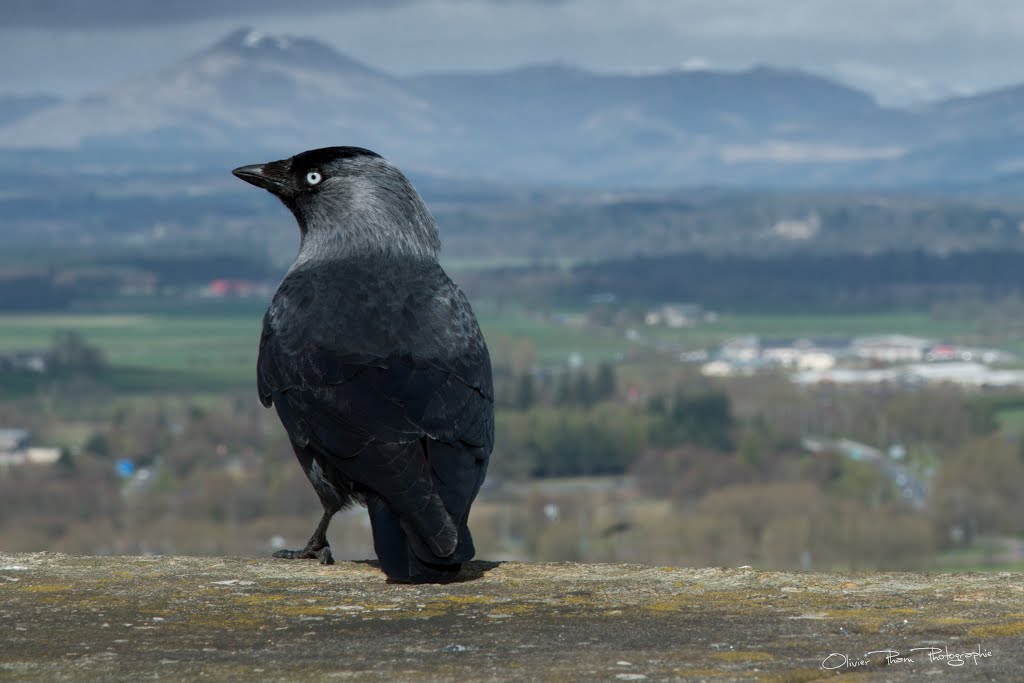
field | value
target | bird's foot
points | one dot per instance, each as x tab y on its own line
323	554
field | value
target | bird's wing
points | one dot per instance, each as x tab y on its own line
347	369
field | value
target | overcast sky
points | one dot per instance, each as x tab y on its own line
902	51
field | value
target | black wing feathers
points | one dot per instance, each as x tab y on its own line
396	366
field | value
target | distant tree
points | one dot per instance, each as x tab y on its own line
711	418
795	524
566	442
97	444
583	390
657	405
704	420
751	448
604	382
66	462
526	391
565	392
978	489
687	472
863	481
72	355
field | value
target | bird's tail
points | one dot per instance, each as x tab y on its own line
457	471
420	530
398	558
414	535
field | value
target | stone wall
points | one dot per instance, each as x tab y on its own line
73	618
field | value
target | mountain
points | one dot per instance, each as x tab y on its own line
248	91
680	127
997	112
252	96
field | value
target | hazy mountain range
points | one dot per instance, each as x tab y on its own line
252	97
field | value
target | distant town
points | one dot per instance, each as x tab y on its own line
878	359
16	449
891	359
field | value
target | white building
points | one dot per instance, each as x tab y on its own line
891	348
675	315
14	450
847	376
964	374
717	368
13	440
968	375
741	349
800	358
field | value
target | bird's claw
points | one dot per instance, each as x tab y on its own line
323	554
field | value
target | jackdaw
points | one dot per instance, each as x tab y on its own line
375	362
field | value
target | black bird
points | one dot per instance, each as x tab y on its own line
375	362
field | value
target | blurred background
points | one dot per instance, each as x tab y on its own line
752	274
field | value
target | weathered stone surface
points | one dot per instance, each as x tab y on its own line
71	618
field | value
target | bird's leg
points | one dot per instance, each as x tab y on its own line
317	548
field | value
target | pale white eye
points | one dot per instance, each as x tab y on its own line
313	178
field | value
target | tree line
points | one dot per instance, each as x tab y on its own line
807	282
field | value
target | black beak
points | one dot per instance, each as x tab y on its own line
273	177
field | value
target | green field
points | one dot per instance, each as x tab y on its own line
173	349
216	347
1011	420
552	342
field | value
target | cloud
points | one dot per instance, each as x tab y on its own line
85	14
783	152
890	86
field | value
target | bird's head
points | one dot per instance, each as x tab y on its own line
348	201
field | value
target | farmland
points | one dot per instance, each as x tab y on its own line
213	347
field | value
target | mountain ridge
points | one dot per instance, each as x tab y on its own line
542	123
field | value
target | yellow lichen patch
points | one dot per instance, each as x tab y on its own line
377	606
948	621
294	610
741	656
673	604
465	600
103	582
866	620
46	588
575	600
802	676
1015	628
441	606
257	598
505	610
704	674
426	612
